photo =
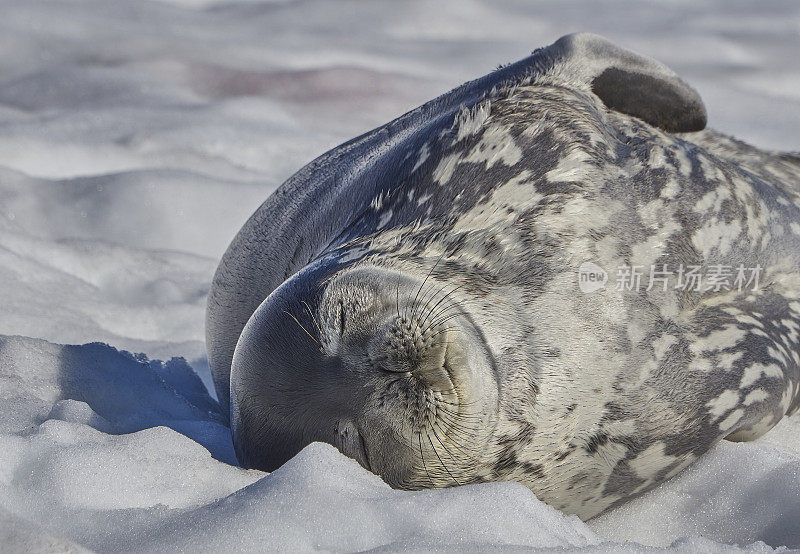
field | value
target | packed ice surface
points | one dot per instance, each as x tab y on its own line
135	139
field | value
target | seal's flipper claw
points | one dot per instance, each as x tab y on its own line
630	83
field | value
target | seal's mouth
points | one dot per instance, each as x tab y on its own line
426	424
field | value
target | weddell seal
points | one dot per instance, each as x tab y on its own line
550	275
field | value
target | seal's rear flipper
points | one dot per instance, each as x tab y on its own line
629	83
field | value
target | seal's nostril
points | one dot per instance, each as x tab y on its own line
402	345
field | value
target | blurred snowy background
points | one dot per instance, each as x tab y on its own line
135	139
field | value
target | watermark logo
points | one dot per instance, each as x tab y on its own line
697	278
591	277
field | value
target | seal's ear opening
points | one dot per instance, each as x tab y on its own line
631	84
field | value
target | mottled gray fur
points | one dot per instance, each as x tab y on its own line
412	296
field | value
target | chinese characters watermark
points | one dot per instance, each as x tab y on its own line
714	277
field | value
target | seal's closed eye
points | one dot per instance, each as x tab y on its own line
631	84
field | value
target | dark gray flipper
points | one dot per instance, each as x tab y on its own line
632	84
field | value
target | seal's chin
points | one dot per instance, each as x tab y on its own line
392	372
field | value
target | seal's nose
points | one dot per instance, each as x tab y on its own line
406	344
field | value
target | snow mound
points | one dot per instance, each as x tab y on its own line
110	391
321	500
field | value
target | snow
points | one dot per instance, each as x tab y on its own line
136	136
116	452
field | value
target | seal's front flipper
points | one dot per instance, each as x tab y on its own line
629	83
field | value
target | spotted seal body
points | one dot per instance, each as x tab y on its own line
413	297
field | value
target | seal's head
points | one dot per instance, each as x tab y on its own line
384	366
